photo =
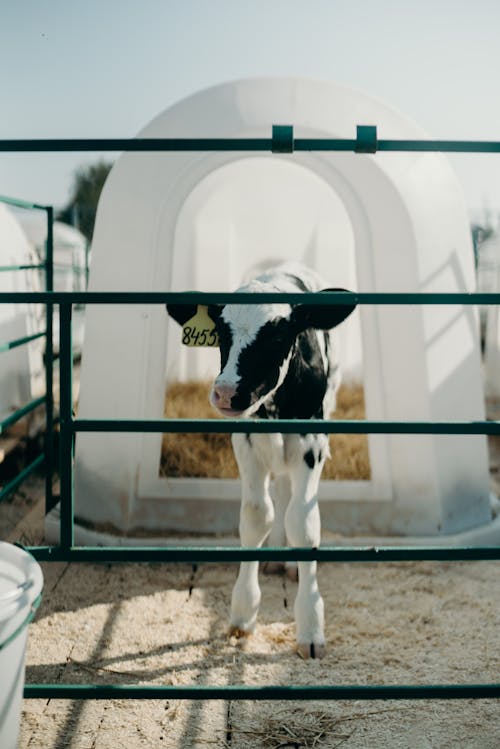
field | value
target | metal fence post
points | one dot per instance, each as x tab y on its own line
66	448
49	363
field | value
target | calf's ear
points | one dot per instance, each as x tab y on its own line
322	316
214	311
181	313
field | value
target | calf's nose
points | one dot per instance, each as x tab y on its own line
222	394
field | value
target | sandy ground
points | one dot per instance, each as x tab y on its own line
388	623
157	624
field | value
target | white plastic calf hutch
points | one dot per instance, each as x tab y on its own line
375	223
70	250
22	375
70	253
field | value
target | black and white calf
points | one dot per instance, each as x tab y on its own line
278	361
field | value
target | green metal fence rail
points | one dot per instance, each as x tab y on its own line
47	400
382	692
282	141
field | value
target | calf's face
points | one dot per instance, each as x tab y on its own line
256	344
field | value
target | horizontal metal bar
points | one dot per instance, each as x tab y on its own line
21	412
21	341
12	485
237	144
285	426
237	692
135	144
226	297
210	554
8	268
23	203
446	146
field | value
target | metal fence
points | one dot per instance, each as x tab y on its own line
46	400
282	141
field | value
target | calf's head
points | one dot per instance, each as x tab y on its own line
256	343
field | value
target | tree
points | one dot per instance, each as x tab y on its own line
81	209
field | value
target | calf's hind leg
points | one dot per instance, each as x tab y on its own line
277	536
256	519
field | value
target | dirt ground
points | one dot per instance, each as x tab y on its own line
406	623
402	623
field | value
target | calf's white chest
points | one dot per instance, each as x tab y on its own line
272	453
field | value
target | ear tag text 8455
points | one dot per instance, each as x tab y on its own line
200	329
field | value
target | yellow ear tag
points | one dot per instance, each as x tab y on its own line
200	329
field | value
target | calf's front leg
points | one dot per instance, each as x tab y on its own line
303	528
256	519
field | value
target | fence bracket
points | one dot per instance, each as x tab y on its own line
282	141
366	139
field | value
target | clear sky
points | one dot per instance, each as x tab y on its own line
105	68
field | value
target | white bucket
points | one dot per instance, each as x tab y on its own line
21	583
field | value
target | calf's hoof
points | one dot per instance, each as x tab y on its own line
238	632
308	650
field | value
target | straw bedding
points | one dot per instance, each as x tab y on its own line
211	455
